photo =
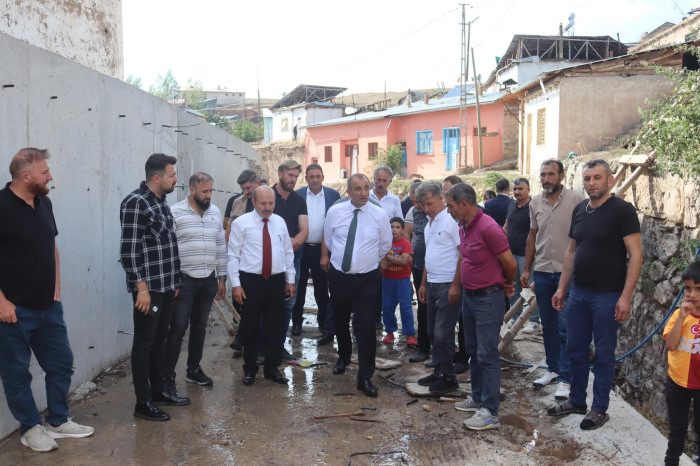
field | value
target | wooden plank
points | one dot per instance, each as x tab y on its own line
638	160
630	181
232	310
223	320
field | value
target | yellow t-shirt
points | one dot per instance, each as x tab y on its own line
684	361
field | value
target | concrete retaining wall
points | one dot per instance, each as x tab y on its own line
100	132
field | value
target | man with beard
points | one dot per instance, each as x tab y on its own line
291	206
604	233
261	268
149	257
358	236
31	314
202	252
550	219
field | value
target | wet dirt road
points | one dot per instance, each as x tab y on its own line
270	424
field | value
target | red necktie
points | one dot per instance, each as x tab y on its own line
267	251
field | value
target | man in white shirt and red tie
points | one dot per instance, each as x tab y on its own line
358	235
261	269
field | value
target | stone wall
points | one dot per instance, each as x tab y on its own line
669	213
271	156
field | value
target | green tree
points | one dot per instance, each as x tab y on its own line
247	131
194	94
134	81
217	120
165	86
391	157
672	125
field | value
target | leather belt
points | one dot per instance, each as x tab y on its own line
312	244
484	291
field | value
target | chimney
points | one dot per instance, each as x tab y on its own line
408	99
481	89
426	98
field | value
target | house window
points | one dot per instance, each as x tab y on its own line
284	124
424	142
373	150
328	154
483	131
314	159
541	120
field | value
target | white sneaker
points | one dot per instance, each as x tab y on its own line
69	429
38	439
531	327
546	379
562	392
468	405
482	420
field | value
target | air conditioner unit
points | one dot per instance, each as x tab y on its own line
343	174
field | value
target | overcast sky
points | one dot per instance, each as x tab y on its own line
359	45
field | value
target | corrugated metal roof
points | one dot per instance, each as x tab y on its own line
415	108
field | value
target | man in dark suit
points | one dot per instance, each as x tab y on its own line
498	206
319	199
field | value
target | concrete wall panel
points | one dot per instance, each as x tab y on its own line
99	131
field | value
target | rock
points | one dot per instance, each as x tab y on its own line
656	270
668	245
427	408
664	293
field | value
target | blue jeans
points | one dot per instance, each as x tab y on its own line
192	307
43	332
442	318
592	313
553	325
520	261
397	292
483	317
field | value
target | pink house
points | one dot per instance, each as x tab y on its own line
428	134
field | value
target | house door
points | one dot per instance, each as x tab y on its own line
526	163
403	171
353	158
451	148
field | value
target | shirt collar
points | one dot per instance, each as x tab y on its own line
473	222
309	193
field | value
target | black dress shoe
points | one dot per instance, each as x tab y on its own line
366	387
248	378
276	377
443	386
340	366
326	339
170	399
418	356
296	330
460	368
428	380
150	412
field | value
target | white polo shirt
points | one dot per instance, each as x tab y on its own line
441	248
390	203
372	237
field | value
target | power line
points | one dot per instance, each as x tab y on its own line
496	25
393	43
679	8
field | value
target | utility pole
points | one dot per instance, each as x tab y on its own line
478	112
464	79
260	116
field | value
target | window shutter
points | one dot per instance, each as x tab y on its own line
445	132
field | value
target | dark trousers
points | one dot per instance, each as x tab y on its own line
192	307
422	314
43	332
148	349
264	297
678	401
361	292
442	317
311	261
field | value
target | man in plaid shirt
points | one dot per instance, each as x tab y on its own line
149	256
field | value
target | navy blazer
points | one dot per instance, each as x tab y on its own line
330	195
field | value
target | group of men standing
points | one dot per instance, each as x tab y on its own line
177	261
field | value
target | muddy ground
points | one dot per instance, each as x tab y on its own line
269	424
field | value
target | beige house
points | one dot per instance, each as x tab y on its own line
670	34
572	109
